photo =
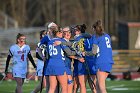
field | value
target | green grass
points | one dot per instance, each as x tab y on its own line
112	87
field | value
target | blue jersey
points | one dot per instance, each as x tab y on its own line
68	61
45	40
56	52
79	67
105	49
88	47
55	65
89	59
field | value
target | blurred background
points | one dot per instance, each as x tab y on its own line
120	17
121	20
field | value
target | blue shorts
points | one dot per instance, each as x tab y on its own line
68	67
55	67
54	70
79	69
91	67
68	71
104	67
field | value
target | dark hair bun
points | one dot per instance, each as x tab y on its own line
83	28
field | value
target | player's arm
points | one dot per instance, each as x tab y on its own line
69	52
81	59
31	59
56	43
39	54
93	52
8	61
67	43
44	40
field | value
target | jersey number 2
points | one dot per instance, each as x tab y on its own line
107	42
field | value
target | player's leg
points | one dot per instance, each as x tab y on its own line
82	82
75	84
19	82
92	72
101	77
63	82
53	84
91	84
47	83
70	84
38	87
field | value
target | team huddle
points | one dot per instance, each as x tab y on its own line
66	64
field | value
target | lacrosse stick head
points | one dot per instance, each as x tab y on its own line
81	45
43	46
2	77
26	80
78	46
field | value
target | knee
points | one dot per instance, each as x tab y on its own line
102	89
19	84
52	87
82	84
75	85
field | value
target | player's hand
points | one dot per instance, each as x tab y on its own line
56	43
44	58
83	53
81	60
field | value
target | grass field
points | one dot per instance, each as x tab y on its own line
112	87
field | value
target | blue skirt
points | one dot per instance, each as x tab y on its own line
79	68
105	67
55	67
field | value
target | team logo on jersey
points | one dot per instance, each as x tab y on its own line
21	52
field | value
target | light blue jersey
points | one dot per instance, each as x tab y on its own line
19	60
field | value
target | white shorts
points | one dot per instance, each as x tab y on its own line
19	73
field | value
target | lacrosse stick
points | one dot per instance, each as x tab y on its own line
28	79
80	48
2	78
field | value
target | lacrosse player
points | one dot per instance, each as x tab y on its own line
68	59
47	38
103	54
19	52
55	68
90	60
44	41
79	73
40	64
